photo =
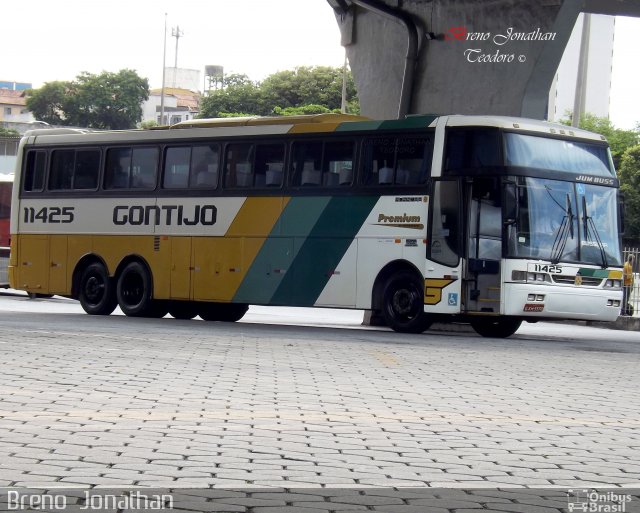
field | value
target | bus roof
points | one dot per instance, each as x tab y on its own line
278	125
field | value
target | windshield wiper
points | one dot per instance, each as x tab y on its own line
589	228
564	231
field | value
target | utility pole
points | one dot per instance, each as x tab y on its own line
177	33
579	102
164	66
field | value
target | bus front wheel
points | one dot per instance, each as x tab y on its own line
96	294
134	291
496	328
403	303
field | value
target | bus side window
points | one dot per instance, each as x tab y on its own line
87	169
413	157
204	166
378	160
472	149
62	167
238	171
34	171
269	164
307	164
144	168
338	163
117	168
176	168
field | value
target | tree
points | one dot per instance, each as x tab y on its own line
8	132
629	174
107	101
311	89
619	140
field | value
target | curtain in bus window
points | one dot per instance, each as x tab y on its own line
238	166
176	168
117	168
62	166
204	166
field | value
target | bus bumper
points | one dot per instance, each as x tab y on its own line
589	304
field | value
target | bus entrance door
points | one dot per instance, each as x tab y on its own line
484	246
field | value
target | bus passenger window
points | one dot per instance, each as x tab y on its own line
378	157
87	169
307	163
144	168
34	171
238	171
176	168
413	157
268	165
117	168
62	165
402	160
204	166
338	163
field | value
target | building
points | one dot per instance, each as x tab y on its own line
179	105
13	107
597	92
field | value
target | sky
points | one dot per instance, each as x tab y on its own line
56	40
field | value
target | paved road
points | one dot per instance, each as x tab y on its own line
116	401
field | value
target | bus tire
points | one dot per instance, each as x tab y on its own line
184	310
224	312
97	294
159	308
496	328
403	303
134	291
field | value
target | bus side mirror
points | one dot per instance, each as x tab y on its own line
510	203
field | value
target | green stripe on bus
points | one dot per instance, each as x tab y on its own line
321	252
594	273
276	254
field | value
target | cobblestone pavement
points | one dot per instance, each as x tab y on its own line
91	401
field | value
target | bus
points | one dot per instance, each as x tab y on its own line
485	220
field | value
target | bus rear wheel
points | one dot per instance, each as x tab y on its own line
225	312
185	310
496	328
96	294
403	303
134	291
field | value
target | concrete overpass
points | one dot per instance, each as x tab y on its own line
460	56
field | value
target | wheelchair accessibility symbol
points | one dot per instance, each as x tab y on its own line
453	299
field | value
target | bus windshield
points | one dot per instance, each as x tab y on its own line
575	157
565	221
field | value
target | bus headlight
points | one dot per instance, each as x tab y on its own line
613	284
536	277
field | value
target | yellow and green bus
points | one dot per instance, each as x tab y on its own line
486	220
